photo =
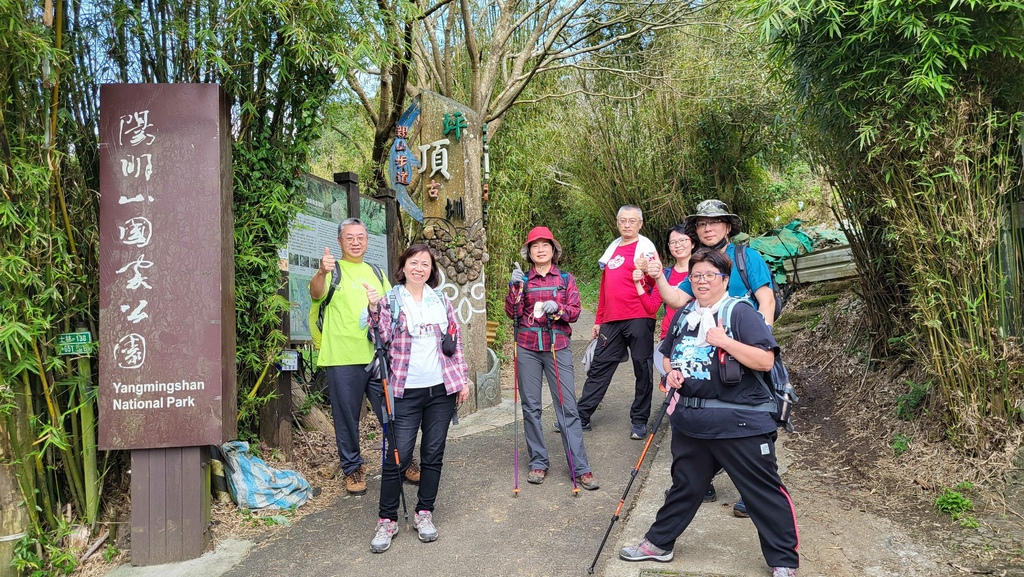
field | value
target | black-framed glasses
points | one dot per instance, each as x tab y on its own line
704	276
708	223
680	242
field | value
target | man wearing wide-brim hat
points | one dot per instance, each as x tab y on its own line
714	226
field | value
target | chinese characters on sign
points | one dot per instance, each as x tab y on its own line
456	123
137	231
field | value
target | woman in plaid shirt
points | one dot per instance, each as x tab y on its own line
544	300
428	386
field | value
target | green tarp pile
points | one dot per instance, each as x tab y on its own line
791	240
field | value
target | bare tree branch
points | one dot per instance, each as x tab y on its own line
353	83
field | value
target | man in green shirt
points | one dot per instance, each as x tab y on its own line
345	350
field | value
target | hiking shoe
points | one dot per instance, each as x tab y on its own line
645	551
355	482
587	481
585	425
536	476
740	510
711	495
424	523
386	530
783	572
412	473
638	431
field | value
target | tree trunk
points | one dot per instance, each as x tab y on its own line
13	516
314	419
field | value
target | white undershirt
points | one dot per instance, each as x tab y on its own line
424	359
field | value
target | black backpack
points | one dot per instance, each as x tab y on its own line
741	266
776	381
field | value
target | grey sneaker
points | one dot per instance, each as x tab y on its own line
638	431
783	572
424	523
386	530
644	551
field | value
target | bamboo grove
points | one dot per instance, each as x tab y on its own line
276	60
914	111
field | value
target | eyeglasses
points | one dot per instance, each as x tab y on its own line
709	223
680	242
704	276
629	220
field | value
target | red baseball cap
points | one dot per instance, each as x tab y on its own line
540	233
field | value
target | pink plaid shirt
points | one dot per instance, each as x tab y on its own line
454	368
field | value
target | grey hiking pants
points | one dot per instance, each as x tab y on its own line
532	366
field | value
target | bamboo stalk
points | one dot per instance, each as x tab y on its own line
88	416
73	467
40	475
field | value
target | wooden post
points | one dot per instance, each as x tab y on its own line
350	182
170	511
276	415
396	239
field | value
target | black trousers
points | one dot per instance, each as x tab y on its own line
347	384
751	464
615	336
429	410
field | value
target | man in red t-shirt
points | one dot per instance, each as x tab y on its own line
626	305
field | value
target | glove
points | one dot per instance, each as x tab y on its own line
517	274
549	307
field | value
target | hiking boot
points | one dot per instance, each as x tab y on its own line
412	473
355	482
587	481
638	431
645	551
424	523
585	425
536	476
711	495
386	530
740	510
783	572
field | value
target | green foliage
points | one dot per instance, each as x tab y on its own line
41	555
909	404
914	109
968	522
257	520
708	123
713	125
900	444
956	505
110	552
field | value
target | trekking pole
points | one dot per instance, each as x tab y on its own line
389	410
561	406
515	395
632	475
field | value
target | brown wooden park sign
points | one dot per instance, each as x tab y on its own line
167	388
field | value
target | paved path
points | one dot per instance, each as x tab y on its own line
546	531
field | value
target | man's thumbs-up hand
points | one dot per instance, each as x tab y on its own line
327	263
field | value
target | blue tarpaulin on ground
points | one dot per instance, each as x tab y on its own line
256	485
